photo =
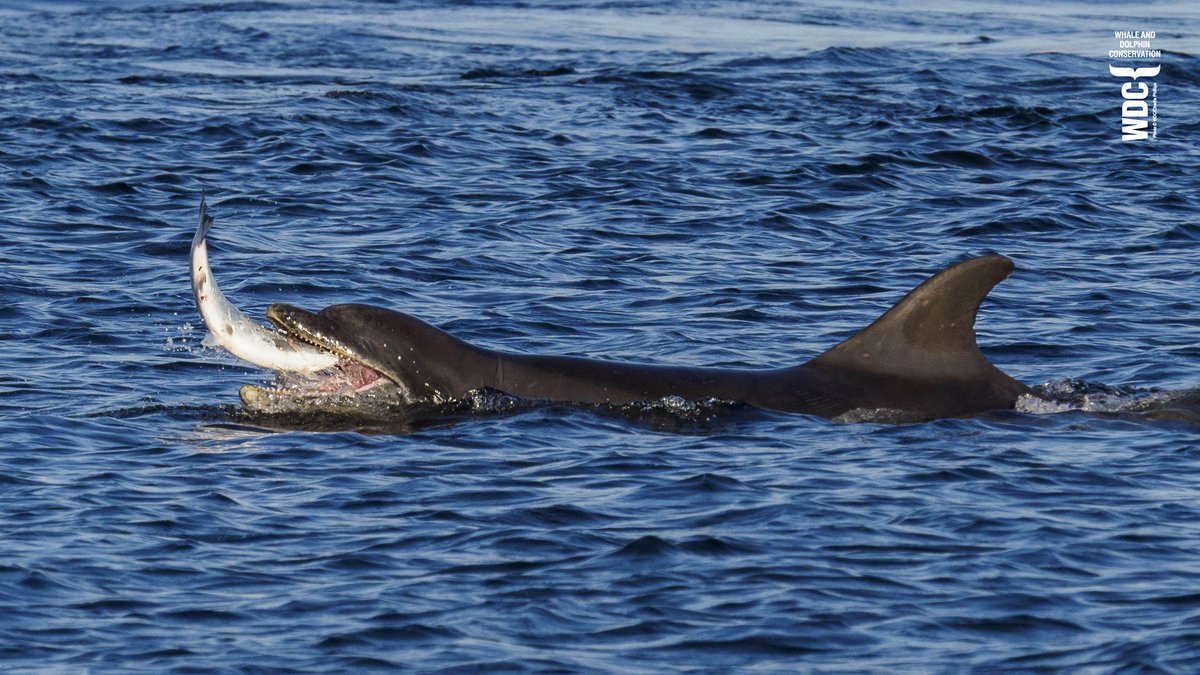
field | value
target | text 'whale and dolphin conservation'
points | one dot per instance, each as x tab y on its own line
919	359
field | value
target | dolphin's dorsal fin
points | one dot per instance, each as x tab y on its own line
930	333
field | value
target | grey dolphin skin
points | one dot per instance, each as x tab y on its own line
919	359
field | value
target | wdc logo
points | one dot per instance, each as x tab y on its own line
1135	110
1139	105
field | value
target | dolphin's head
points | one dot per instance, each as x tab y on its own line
386	359
357	383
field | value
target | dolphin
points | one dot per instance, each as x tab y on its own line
918	360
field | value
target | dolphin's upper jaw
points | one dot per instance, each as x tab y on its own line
348	380
307	327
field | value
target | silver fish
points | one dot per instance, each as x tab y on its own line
237	333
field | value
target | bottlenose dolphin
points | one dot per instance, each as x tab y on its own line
919	360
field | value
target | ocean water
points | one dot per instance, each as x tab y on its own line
667	181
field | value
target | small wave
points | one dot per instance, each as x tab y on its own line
556	516
715	132
114	188
496	74
1068	395
879	415
647	546
1014	226
676	414
966	159
717	547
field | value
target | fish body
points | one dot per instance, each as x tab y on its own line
237	333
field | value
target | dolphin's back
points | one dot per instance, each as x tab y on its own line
920	358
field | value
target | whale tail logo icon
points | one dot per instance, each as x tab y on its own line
1134	73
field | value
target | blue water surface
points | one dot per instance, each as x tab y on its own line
668	181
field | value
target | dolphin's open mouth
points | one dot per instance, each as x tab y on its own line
349	383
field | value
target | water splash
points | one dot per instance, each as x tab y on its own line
1074	395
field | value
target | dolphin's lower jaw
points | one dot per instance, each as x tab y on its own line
350	386
378	402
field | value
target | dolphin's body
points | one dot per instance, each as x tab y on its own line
919	359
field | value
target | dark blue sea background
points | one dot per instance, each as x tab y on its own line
667	181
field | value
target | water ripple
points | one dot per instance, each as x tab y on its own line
601	182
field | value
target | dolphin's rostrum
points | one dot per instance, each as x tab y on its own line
919	360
